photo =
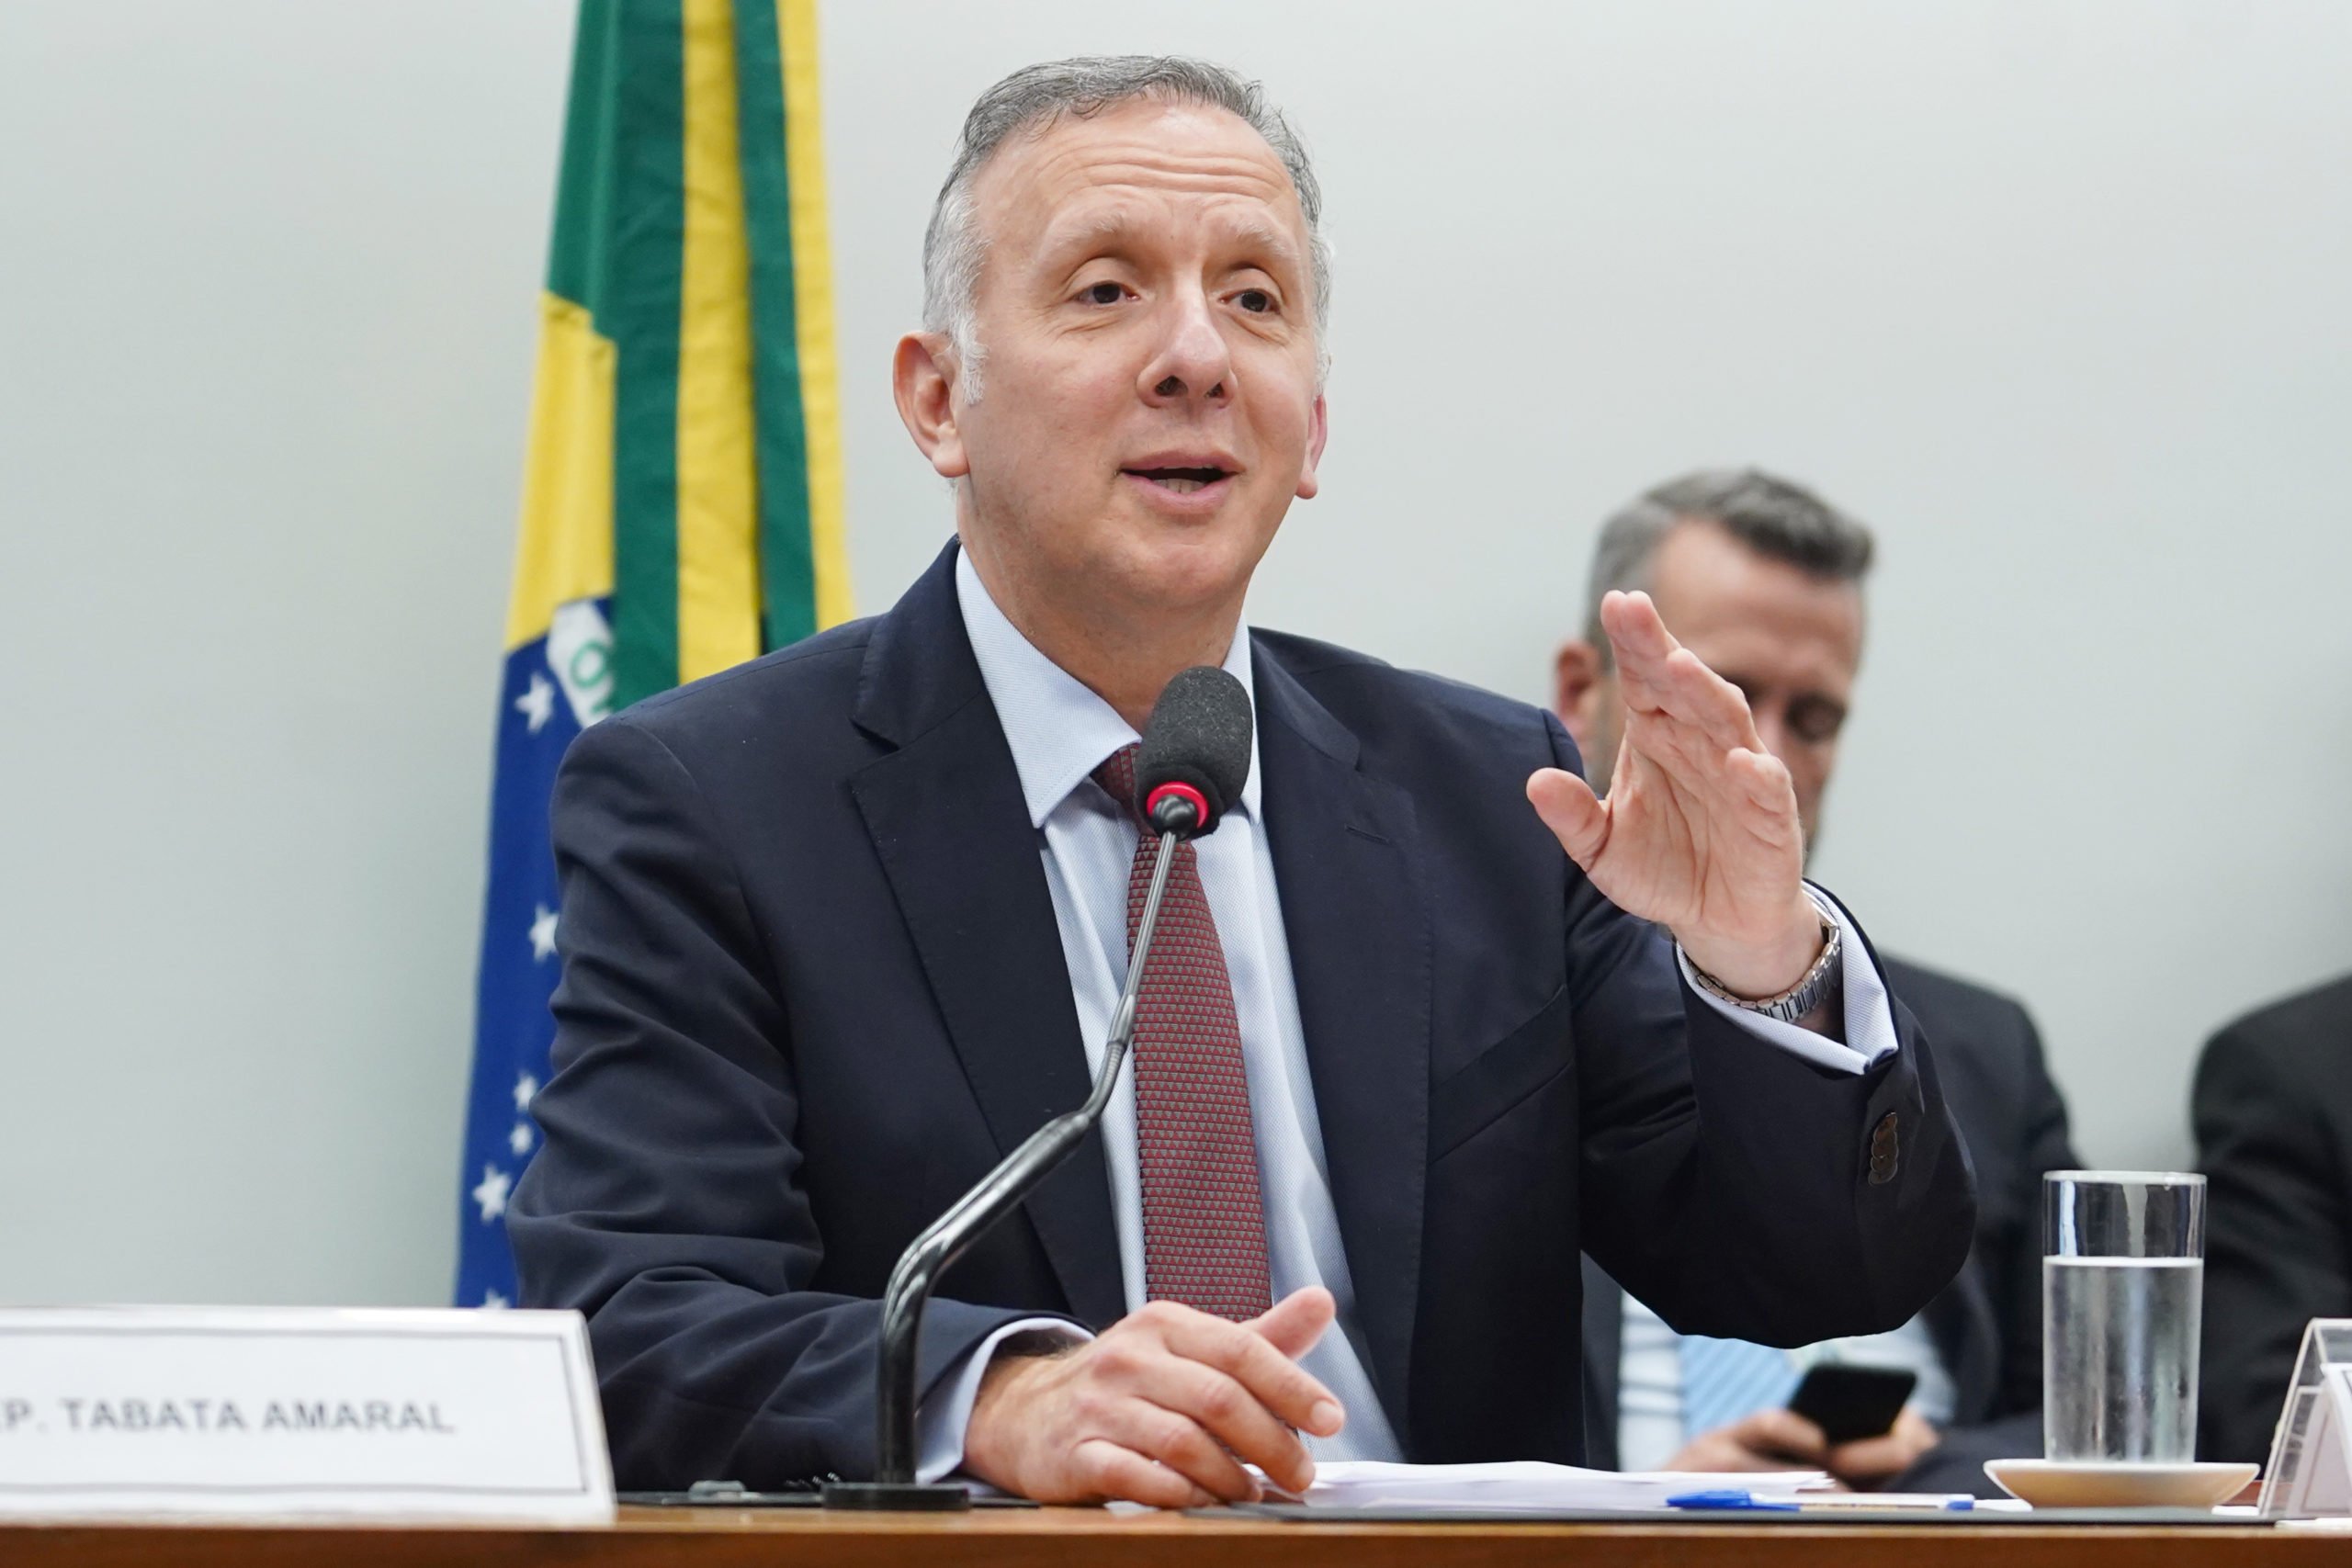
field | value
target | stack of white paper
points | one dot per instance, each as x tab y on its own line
1529	1485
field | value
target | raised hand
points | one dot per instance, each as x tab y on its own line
1699	830
1165	1409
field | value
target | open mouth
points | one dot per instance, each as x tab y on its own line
1179	482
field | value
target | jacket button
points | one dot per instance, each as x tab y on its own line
1887	1151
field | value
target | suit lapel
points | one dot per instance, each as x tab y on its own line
949	825
1345	852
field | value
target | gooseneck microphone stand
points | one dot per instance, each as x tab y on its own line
998	1194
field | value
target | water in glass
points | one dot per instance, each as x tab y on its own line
2120	1357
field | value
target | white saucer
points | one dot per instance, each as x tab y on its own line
2091	1484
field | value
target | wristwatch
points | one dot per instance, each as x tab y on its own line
1801	998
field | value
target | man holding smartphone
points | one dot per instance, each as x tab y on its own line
1763	580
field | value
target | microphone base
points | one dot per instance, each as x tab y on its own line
897	1498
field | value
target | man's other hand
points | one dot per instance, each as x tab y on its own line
1164	1408
1868	1462
1769	1440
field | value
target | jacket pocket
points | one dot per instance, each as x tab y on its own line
1474	1097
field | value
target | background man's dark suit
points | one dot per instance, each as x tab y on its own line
1987	1323
813	986
2273	1111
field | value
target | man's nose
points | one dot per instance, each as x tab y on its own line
1190	362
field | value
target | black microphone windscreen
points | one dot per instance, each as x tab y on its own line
1198	735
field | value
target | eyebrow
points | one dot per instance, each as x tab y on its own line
1116	223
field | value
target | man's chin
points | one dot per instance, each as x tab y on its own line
1183	571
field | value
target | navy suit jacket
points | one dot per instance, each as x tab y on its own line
813	989
1986	1324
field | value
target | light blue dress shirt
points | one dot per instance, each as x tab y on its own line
1650	1428
1059	731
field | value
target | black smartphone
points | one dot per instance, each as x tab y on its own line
1851	1403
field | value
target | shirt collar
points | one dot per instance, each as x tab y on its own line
1059	730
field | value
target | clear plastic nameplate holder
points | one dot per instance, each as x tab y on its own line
2311	1457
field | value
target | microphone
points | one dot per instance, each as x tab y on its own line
1195	754
1193	761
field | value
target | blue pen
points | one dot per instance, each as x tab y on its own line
1745	1501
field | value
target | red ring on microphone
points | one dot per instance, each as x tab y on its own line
1181	792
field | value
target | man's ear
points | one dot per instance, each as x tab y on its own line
923	379
1318	431
1578	675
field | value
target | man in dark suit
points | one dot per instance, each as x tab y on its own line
1762	580
842	926
2273	1111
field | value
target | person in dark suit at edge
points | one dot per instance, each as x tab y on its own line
1763	580
2272	1107
841	925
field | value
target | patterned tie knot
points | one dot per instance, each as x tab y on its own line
1116	775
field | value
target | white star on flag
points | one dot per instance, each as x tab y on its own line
492	1301
537	704
543	934
526	1086
492	1193
519	1140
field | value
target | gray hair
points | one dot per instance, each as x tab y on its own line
1037	97
1779	520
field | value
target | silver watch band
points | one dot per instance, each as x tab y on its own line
1801	998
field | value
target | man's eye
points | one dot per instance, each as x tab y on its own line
1816	722
1257	301
1101	293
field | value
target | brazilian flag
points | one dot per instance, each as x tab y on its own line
681	498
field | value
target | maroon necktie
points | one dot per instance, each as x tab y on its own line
1203	1223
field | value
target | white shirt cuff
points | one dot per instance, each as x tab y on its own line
1869	1016
940	1419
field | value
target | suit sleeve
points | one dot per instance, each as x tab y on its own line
2275	1234
665	1202
1732	1185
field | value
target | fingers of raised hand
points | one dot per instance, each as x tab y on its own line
1682	689
1658	675
1634	629
1765	780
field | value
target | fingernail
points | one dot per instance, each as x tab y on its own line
1324	1417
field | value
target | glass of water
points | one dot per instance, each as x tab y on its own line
2123	1291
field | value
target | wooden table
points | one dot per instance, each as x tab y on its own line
724	1537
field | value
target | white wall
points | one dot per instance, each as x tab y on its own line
2051	293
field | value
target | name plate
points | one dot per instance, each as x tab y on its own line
274	1411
